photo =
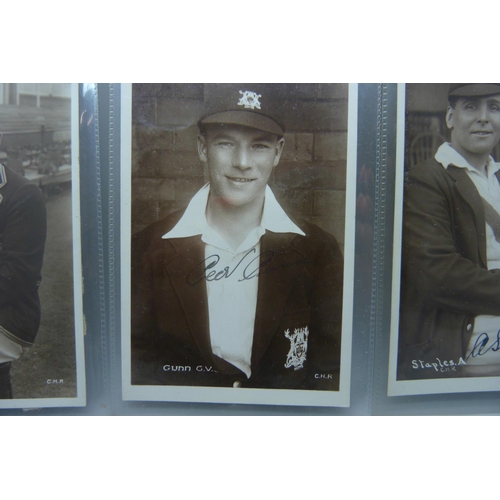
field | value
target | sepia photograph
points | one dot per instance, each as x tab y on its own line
446	302
41	323
237	262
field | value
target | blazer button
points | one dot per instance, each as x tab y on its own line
469	327
237	383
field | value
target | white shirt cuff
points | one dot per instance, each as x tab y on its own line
9	350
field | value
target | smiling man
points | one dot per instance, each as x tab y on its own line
230	292
450	301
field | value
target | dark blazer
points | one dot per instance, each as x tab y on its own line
23	225
300	285
445	281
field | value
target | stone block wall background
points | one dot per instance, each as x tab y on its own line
309	181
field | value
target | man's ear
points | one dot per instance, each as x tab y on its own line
279	149
449	117
202	149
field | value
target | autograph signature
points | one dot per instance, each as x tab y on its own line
481	346
250	266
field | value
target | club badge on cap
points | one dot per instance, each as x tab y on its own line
250	99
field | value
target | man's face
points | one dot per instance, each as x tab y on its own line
240	161
475	125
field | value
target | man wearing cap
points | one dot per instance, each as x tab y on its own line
450	301
22	242
231	292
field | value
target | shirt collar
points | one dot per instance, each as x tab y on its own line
194	221
447	155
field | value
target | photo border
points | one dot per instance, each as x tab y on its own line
429	386
340	398
80	399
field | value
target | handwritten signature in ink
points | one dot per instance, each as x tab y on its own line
481	346
250	266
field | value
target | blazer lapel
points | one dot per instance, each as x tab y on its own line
471	196
280	265
185	269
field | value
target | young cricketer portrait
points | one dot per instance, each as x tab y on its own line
234	290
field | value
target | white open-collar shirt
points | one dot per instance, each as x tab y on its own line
232	300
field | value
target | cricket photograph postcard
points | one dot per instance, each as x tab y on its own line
237	214
41	312
446	277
